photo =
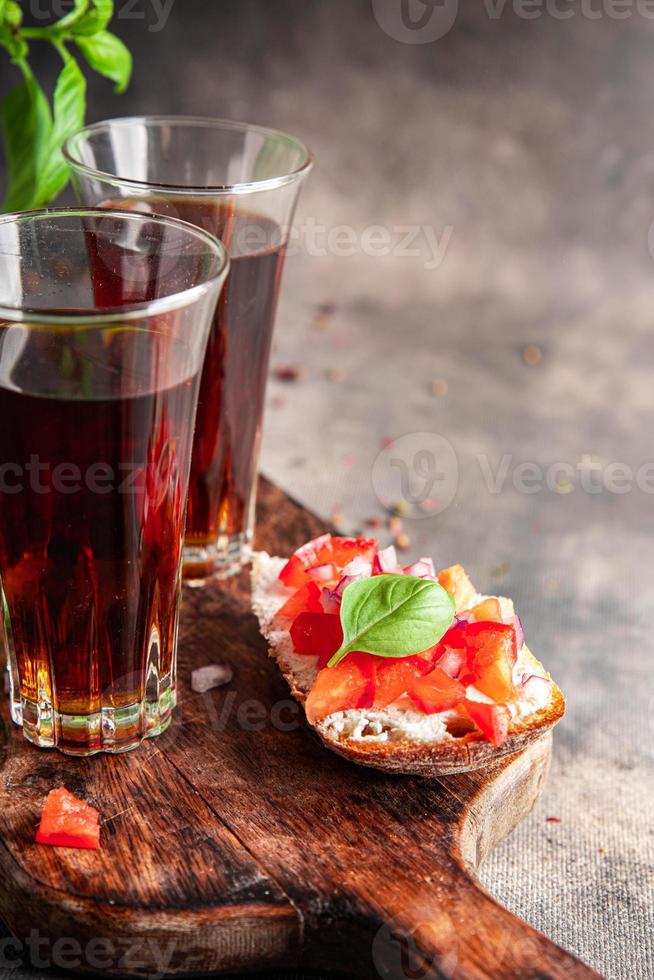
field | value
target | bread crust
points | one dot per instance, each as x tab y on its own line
466	753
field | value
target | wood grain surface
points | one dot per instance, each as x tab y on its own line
236	842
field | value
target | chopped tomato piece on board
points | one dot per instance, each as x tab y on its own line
492	720
317	635
455	581
323	551
488	611
350	684
492	652
436	692
68	822
306	599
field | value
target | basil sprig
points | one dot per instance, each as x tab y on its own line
393	616
34	130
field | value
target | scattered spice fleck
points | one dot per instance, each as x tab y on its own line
403	541
429	505
289	372
532	355
338	520
395	525
552	586
324	314
349	459
439	387
501	570
207	678
278	401
387	442
552	819
602	850
374	522
336	375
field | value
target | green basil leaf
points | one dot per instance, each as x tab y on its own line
69	105
96	18
393	616
26	127
107	55
76	14
13	14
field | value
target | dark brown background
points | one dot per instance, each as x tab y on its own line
533	139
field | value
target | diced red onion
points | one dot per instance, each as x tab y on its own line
387	560
451	663
534	685
462	618
330	601
520	633
321	573
358	568
423	568
207	678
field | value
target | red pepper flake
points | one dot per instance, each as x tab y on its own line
349	460
288	373
387	442
552	819
278	401
439	387
374	522
428	506
532	355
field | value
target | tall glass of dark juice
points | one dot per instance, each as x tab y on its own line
104	321
241	183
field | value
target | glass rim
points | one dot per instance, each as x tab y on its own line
82	316
200	122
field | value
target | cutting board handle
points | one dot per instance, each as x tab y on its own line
421	926
466	936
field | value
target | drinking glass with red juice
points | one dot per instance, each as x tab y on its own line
241	183
104	319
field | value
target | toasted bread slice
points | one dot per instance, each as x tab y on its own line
400	738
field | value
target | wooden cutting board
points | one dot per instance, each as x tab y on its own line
236	842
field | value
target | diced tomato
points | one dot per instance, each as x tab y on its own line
293	573
317	635
455	581
350	684
345	549
436	692
492	652
306	599
68	822
322	551
488	611
492	720
395	677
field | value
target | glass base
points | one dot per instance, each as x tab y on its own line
229	554
111	730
